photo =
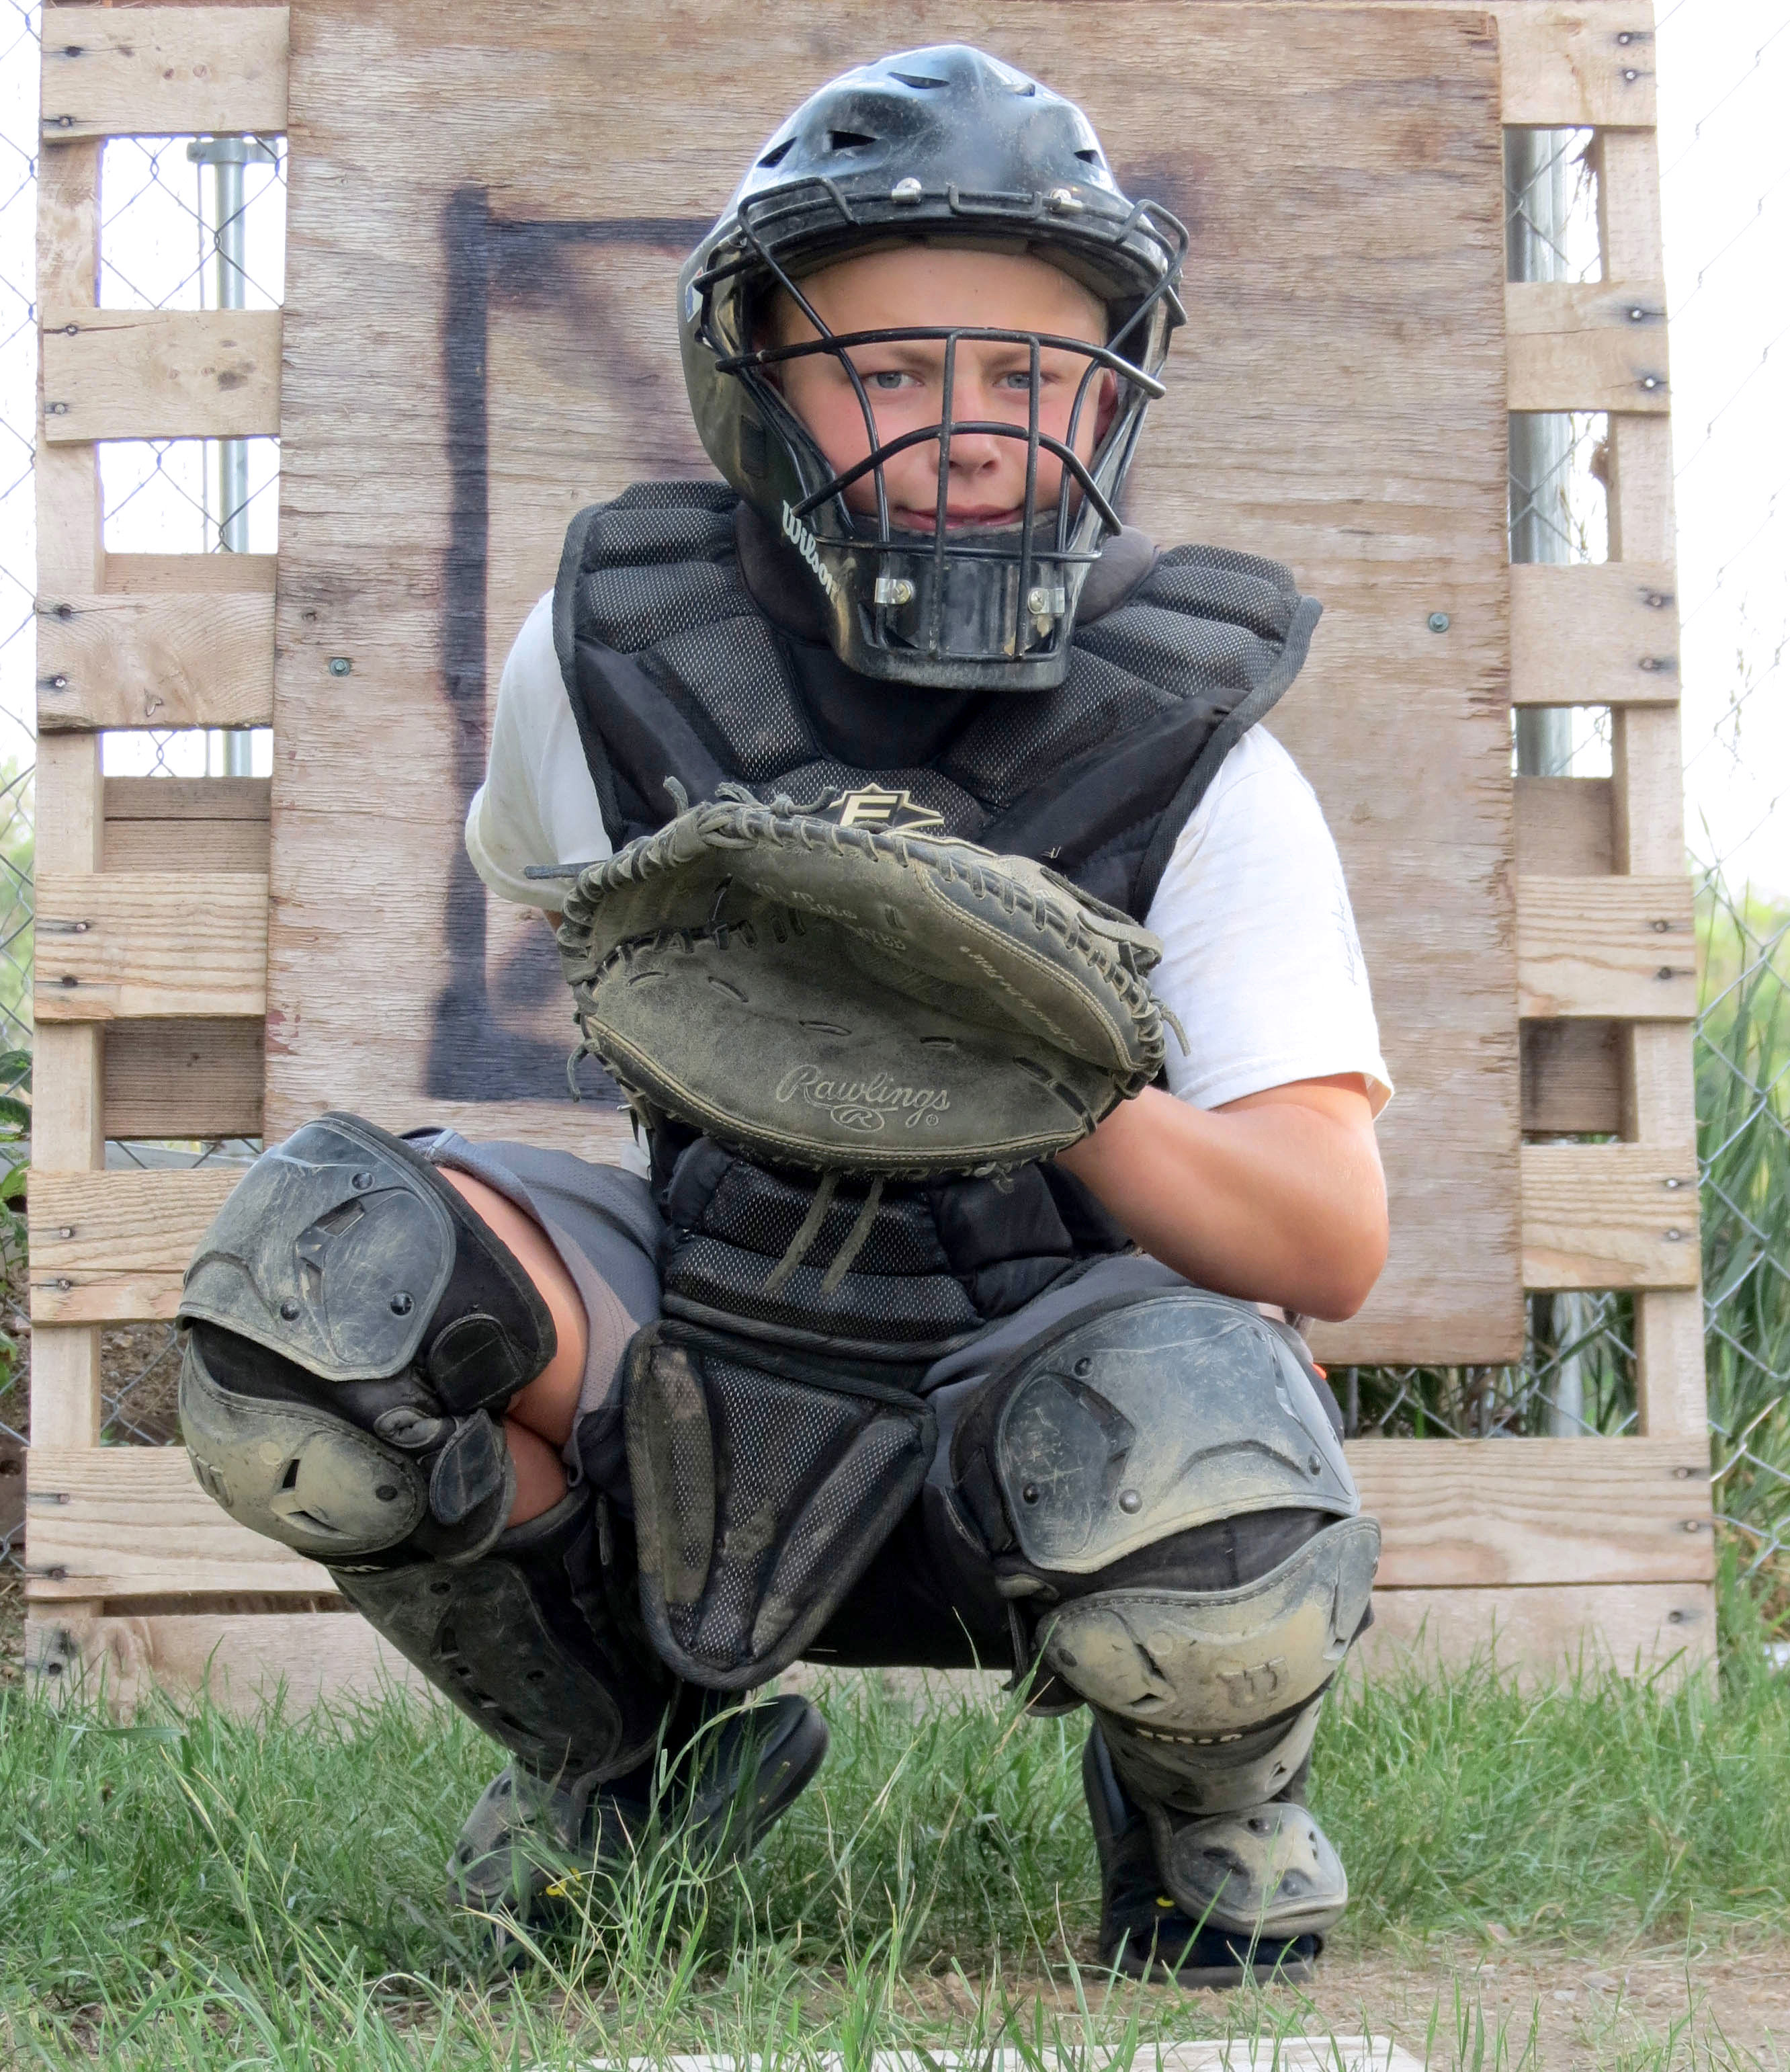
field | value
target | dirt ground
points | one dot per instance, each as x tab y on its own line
1721	2011
1589	2012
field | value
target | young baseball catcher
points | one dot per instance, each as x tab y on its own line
985	995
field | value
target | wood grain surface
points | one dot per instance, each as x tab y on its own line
1610	1215
130	1521
479	340
1589	66
111	1248
246	1662
173	1078
1485	1512
206	660
223	824
1594	346
156	71
1572	1078
1600	633
1549	1632
150	943
153	575
1606	947
160	374
1566	827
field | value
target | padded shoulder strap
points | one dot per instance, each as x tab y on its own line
667	530
1255	705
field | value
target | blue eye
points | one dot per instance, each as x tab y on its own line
889	378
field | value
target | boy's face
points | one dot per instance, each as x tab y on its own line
915	285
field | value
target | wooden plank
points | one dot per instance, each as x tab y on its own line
1649	798
192	1078
200	661
1360	438
1611	948
1628	211
244	1662
1490	1512
1594	346
67	1125
1583	67
1549	1634
1670	1343
152	942
1659	1086
1609	1215
1572	1078
1597	633
130	1522
111	1248
1642	525
223	824
156	575
193	801
162	71
1564	828
160	374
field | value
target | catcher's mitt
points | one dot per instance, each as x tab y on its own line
851	999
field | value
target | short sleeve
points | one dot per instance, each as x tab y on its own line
538	805
1261	964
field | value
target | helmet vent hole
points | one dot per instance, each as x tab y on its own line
778	152
917	80
847	140
1090	157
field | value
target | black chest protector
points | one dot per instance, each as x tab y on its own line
773	1431
691	649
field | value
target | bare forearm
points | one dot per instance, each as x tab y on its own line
1274	1199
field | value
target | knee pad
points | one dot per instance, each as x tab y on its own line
351	1326
1209	1699
1098	1468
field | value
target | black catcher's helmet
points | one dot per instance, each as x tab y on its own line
944	145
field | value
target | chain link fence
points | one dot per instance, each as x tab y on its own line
183	230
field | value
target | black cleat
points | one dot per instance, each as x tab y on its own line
1143	1932
530	1843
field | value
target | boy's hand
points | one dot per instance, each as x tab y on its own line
1276	1198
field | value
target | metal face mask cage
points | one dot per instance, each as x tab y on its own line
995	611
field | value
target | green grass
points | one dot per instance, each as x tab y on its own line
1743	1140
192	1891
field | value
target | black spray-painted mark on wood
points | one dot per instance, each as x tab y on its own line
476	1052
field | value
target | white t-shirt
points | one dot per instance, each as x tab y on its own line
1261	961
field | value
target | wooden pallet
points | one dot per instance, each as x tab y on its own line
153	902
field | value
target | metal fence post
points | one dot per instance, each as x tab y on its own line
227	156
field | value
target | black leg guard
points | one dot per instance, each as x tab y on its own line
528	1644
1144	1931
540	1644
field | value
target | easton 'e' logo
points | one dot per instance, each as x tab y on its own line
803	541
894	811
